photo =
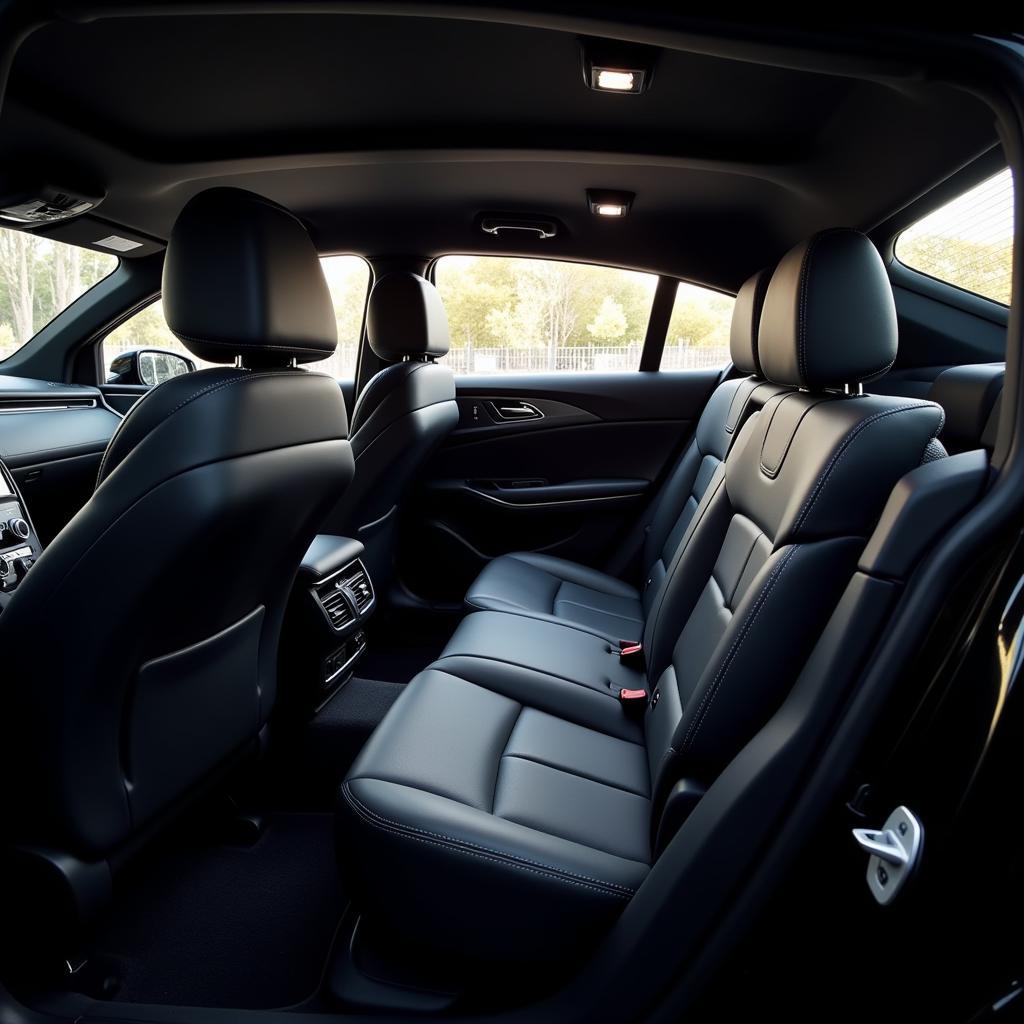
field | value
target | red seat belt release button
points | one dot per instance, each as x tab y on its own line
632	696
631	652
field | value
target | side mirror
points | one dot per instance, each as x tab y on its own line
148	367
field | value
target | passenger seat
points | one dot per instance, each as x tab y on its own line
543	586
511	802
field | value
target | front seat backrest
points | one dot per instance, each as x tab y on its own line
402	415
142	646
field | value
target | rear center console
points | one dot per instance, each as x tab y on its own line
324	631
19	544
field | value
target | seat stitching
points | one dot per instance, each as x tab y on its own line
690	532
501	757
709	695
841	452
464	846
577	774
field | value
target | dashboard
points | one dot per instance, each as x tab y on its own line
52	438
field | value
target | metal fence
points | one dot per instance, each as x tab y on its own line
580	358
499	360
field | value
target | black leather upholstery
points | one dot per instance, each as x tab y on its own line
406	318
505	807
970	396
142	647
400	418
239	280
746	317
549	587
829	318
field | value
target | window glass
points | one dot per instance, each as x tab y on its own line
348	278
698	332
40	278
968	242
517	315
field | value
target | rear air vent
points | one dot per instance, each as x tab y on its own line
336	607
346	596
359	583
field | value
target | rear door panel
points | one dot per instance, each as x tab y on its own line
569	482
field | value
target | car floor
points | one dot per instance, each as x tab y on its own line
207	917
205	923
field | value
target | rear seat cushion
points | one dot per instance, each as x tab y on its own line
544	585
478	788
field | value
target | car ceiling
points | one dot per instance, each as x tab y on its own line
391	134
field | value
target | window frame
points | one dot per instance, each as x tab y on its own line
658	318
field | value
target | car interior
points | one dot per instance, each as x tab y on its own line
507	513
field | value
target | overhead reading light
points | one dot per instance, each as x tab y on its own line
617	81
609	204
617	67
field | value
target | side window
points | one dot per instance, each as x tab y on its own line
698	332
348	278
968	242
40	278
517	315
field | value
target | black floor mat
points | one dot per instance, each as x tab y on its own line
245	927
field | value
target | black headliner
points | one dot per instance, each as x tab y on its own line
392	133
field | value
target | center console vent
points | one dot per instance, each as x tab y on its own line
335	605
346	597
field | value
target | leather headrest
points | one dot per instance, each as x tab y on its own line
242	278
969	396
406	317
746	316
829	317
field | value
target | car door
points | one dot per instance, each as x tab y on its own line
562	438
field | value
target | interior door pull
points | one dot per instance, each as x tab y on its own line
512	410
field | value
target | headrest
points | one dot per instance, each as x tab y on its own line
241	278
746	316
829	318
406	317
969	395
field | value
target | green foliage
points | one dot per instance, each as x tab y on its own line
609	322
527	303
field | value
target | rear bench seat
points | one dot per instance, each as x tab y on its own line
510	803
554	588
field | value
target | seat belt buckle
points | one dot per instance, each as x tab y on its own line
634	701
631	652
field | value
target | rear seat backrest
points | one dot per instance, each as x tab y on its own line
778	534
727	410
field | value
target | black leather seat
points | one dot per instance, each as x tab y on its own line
141	650
402	415
511	803
543	586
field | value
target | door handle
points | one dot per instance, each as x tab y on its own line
510	409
